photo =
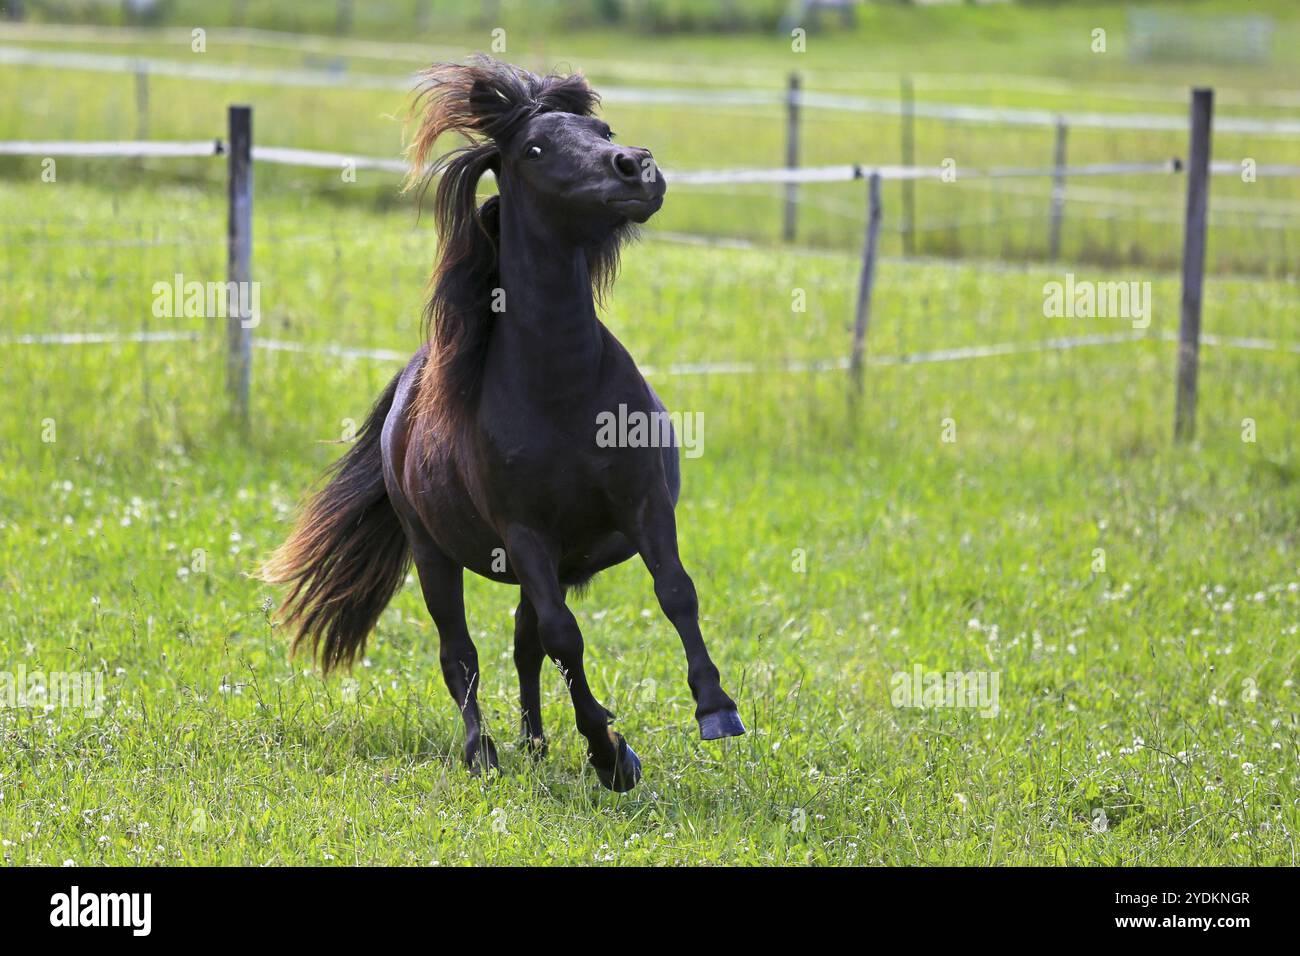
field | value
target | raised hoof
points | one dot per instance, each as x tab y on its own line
536	747
720	723
627	768
481	756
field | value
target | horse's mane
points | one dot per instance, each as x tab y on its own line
484	101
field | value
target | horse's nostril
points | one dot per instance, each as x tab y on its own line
625	165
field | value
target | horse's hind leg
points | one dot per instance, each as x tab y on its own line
528	661
442	582
533	560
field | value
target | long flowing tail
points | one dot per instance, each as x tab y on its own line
347	554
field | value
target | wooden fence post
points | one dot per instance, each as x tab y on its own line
1194	231
1058	191
141	103
239	255
343	20
790	224
866	281
907	121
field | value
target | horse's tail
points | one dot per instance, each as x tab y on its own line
347	554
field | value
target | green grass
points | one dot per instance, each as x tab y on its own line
1159	692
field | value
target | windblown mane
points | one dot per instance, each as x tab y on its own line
484	101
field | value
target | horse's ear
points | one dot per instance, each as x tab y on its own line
486	100
568	94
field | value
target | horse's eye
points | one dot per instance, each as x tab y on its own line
609	135
533	152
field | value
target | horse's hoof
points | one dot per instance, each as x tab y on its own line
536	747
626	771
720	723
481	755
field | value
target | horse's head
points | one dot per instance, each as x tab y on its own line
541	139
571	167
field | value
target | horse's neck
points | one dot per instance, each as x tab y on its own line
547	339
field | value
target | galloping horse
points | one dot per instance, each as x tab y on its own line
483	452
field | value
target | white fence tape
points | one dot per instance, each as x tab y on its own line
198	70
658	72
937	356
322	159
689	97
127	148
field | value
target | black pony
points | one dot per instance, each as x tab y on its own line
484	453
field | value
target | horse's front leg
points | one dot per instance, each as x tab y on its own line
533	560
442	582
654	533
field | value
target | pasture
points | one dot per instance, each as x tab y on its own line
1024	515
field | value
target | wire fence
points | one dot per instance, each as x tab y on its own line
342	296
1087	188
702	180
1133	223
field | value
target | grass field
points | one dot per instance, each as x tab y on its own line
1025	517
1159	692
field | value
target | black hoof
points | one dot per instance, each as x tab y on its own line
536	747
721	723
626	771
481	755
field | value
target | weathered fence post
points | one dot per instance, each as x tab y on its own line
239	254
141	102
1058	190
790	225
1194	230
866	281
343	21
907	126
